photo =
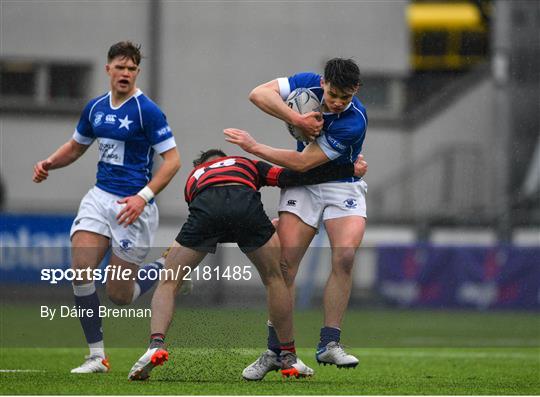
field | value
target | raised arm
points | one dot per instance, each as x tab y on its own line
267	97
309	158
62	157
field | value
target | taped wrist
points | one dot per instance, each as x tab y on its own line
146	193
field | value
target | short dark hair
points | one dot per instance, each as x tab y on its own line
342	73
205	155
125	49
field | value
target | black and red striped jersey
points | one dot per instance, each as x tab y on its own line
231	169
256	173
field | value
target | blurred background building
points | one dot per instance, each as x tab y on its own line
452	90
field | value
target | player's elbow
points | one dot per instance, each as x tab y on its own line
253	96
176	164
173	161
256	96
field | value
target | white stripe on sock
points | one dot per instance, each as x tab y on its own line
97	349
84	289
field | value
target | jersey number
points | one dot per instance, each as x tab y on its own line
225	163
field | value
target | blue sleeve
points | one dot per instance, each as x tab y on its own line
157	129
305	80
84	134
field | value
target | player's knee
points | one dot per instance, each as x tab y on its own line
288	271
80	264
272	275
344	261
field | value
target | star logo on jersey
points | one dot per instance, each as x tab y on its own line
125	122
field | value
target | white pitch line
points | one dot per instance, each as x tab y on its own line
21	370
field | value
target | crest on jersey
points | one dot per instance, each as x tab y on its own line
98	119
126	244
350	203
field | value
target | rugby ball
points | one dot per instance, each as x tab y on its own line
302	100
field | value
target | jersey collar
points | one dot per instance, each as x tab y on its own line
136	94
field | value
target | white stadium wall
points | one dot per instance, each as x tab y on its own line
469	123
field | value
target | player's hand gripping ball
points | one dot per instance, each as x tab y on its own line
302	100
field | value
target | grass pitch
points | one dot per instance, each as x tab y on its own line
412	352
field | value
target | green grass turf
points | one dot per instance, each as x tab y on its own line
217	371
401	352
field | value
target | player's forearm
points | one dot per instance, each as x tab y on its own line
165	173
270	102
286	158
66	154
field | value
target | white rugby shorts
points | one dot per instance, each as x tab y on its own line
326	200
97	213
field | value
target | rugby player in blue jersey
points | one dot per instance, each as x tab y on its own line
119	211
337	138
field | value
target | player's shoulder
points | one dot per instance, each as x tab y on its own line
146	104
245	160
357	111
358	105
92	104
306	80
101	98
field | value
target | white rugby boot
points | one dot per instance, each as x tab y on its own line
268	361
291	365
334	354
148	361
92	364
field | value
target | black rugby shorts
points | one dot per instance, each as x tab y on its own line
226	214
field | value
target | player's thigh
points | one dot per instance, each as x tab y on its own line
88	249
267	259
345	235
132	243
295	237
347	231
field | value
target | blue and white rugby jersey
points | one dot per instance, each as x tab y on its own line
342	133
127	135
